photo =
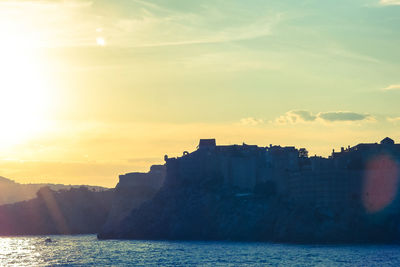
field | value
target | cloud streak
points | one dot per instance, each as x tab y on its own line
389	2
251	121
296	116
304	116
392	87
74	23
393	119
343	116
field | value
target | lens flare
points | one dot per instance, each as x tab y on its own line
380	183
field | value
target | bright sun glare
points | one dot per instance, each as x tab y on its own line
22	90
100	41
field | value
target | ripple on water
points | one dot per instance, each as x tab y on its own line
87	250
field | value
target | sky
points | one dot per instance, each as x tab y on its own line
91	89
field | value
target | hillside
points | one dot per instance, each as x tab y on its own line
73	211
11	192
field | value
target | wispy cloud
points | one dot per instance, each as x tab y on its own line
303	116
393	119
389	2
147	24
392	87
44	3
343	116
296	116
189	33
47	23
251	121
338	50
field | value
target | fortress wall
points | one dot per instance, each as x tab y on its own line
236	170
189	168
325	188
172	176
244	172
225	170
154	178
133	178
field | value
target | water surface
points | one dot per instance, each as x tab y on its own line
87	250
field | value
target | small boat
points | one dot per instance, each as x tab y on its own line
48	240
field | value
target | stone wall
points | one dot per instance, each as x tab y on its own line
154	178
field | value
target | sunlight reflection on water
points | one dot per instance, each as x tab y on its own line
87	250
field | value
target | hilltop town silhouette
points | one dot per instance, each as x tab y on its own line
289	171
265	193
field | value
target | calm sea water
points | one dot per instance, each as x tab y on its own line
87	250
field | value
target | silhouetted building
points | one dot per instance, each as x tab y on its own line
291	172
207	143
387	141
154	178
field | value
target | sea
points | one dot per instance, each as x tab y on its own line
87	250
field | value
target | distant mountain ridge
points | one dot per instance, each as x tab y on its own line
5	180
11	191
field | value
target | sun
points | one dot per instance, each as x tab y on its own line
23	92
100	41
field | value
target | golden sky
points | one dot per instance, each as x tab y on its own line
93	89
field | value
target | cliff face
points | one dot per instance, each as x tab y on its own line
73	211
205	212
131	192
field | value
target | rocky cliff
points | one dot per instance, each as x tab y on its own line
207	211
131	192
